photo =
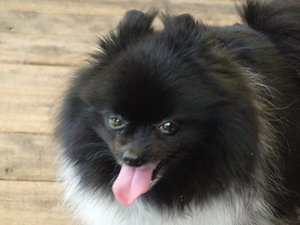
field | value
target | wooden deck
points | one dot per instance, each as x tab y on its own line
41	42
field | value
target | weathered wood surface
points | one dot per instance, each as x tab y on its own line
26	156
31	203
29	96
41	43
41	33
115	7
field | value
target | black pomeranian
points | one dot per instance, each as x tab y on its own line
188	125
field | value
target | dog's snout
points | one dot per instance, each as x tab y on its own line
132	159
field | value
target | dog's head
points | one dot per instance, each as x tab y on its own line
170	105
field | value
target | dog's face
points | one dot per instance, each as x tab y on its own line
152	117
151	112
165	103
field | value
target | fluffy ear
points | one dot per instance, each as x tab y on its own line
181	26
279	20
136	24
132	27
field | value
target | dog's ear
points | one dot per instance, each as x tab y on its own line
179	26
135	25
132	27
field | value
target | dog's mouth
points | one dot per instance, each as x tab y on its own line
159	166
132	182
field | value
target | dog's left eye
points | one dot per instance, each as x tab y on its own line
168	127
115	123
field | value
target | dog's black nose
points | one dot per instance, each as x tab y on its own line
132	159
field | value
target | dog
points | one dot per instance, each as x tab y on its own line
192	124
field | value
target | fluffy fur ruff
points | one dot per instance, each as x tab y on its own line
218	107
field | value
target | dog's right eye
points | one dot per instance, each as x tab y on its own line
168	127
115	123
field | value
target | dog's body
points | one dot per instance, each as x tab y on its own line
193	124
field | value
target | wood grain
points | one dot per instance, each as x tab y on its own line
56	38
44	49
31	203
26	156
29	94
112	7
31	22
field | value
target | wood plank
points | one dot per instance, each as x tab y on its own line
51	39
44	49
84	24
31	203
112	7
63	38
29	94
30	22
210	11
66	39
27	157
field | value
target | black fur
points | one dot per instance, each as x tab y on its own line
222	85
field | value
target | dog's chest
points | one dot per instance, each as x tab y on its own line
95	212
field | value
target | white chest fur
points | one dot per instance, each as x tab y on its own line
96	210
92	208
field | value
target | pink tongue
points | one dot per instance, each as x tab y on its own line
131	183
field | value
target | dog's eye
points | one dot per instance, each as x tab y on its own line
168	127
115	123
